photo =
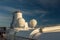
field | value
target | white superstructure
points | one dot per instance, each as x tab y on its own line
19	20
24	32
18	15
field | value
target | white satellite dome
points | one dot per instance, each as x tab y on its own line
21	22
33	23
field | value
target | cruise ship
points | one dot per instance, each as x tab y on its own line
20	29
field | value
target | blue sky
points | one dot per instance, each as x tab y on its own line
46	12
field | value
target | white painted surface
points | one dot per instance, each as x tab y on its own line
33	23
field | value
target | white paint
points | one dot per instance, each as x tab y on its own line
51	29
33	23
21	22
18	15
26	25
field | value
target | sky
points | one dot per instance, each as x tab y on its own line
46	12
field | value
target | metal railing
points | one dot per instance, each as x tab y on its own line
23	38
20	38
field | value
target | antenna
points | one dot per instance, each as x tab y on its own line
11	25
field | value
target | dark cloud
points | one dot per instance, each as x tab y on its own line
45	11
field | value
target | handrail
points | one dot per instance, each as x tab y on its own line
25	38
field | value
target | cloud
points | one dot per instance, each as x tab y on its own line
39	11
4	17
45	20
42	13
35	11
24	11
6	0
5	20
9	9
48	3
21	0
40	3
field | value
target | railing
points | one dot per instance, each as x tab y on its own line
22	38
